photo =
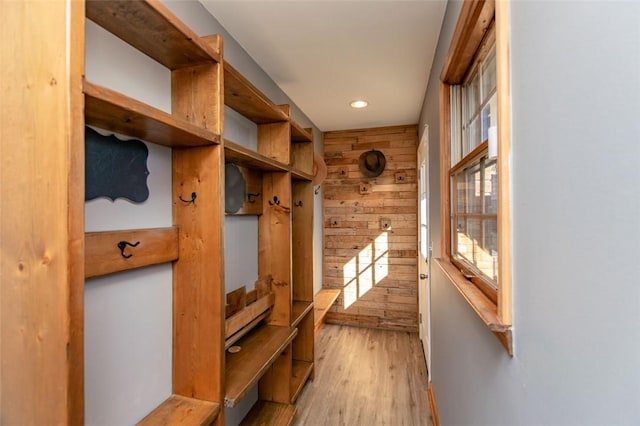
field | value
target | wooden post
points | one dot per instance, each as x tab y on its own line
41	212
198	281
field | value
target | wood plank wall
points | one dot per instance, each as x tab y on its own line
376	269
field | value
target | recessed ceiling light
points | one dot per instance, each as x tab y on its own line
359	104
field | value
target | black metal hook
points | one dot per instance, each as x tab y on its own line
317	190
192	200
123	244
252	197
298	203
275	202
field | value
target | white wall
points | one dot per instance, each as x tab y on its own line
128	316
576	230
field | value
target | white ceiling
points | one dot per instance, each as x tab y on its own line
325	53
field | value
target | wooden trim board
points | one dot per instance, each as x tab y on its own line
432	404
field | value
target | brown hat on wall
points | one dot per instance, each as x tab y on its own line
372	163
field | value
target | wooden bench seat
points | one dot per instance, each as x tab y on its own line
322	302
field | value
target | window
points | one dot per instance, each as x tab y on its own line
475	143
474	175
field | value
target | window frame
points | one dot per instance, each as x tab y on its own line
475	20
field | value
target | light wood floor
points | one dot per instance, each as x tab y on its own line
366	377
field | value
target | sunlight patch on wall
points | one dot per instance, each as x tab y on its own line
365	270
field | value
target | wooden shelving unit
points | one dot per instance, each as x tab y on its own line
284	160
196	85
276	347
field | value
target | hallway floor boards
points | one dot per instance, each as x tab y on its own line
366	377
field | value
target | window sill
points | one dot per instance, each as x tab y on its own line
484	307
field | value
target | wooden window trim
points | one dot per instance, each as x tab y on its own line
474	21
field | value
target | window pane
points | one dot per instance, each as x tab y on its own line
488	75
475	217
489	117
490	187
472	95
472	137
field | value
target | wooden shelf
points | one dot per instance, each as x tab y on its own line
300	175
265	413
259	349
103	256
299	310
110	110
237	154
180	410
300	373
152	29
300	135
245	98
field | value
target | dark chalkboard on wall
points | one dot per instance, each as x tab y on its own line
115	168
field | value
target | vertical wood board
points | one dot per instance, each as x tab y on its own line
198	348
41	216
274	243
302	241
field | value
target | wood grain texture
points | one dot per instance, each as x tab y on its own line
299	310
198	281
300	135
260	349
246	157
503	88
474	20
302	240
323	301
433	406
274	243
265	413
110	110
273	141
102	255
152	29
248	314
366	377
180	410
361	257
248	100
41	218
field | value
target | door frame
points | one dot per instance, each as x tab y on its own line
424	259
